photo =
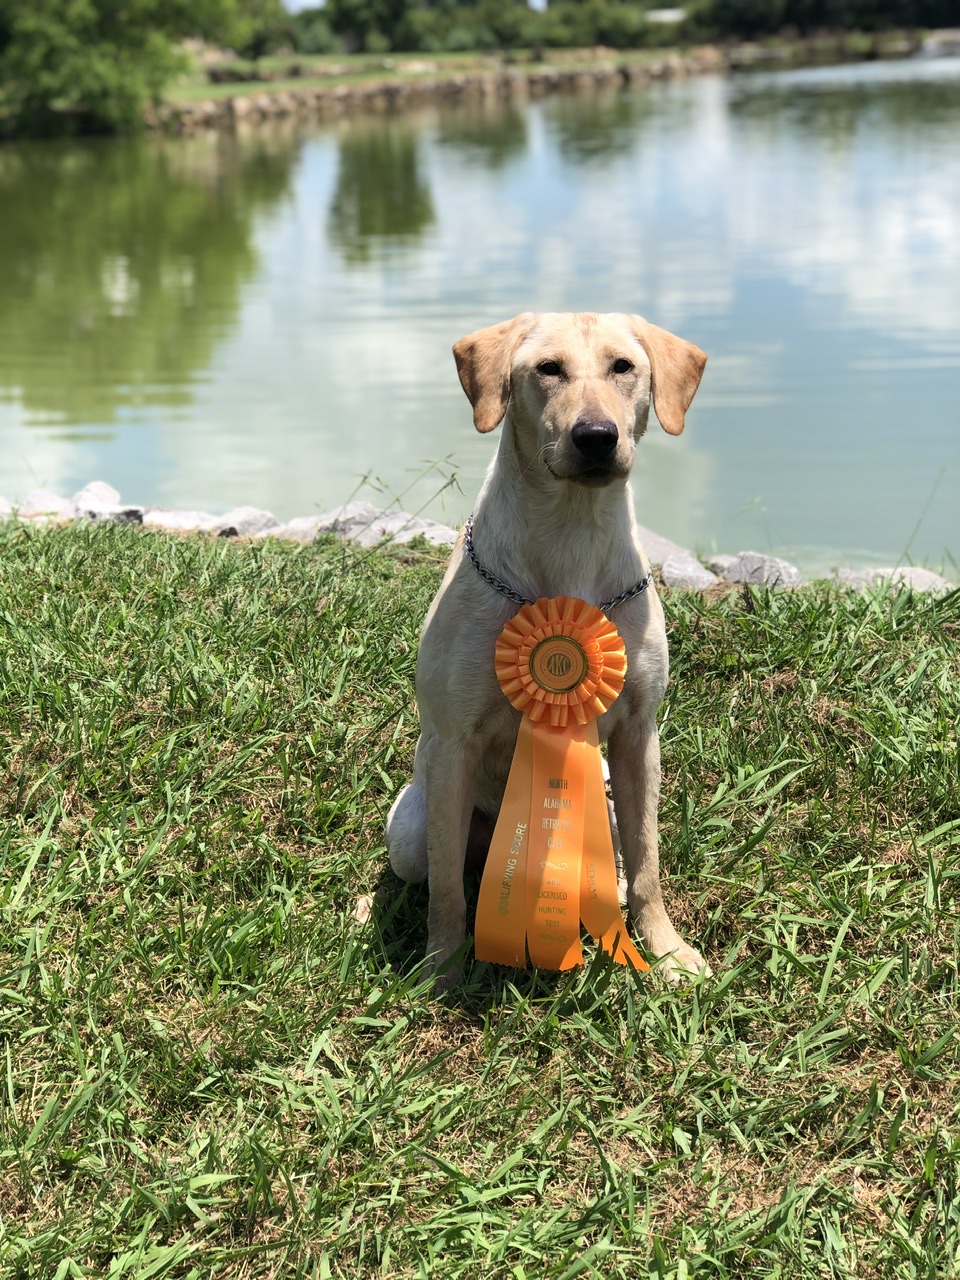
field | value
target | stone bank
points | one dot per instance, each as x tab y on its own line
365	525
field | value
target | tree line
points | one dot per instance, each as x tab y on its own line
432	26
93	64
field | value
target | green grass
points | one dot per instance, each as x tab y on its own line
329	71
340	70
211	1069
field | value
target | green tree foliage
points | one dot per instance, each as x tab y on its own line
259	27
579	23
750	18
437	25
371	25
311	33
94	64
74	63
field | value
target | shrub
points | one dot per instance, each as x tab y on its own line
462	39
311	32
64	67
421	32
93	64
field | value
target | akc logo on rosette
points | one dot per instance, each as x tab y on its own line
561	663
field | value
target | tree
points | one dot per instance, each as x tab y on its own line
259	27
310	31
367	24
93	64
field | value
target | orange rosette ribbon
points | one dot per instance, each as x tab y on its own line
562	663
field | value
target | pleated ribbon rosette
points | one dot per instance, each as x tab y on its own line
562	663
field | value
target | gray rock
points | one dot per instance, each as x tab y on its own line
369	526
720	564
100	502
112	513
303	528
40	502
363	523
96	494
660	549
299	529
400	527
350	521
687	573
178	521
903	575
244	522
941	44
759	570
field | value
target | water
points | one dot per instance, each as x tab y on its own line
268	318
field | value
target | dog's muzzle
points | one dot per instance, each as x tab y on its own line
596	446
596	441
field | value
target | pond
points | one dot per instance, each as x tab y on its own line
267	317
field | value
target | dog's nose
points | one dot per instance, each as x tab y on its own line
595	440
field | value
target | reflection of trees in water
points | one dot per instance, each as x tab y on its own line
381	194
836	111
114	255
596	125
488	131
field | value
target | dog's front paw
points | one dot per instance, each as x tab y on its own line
684	963
444	971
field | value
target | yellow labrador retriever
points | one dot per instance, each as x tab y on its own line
554	517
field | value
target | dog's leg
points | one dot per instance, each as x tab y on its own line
635	779
449	806
407	837
615	836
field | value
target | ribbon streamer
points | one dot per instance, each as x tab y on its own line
561	662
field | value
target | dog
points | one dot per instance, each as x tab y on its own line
554	517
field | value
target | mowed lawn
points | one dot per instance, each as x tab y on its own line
212	1068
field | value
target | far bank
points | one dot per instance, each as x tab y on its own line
232	94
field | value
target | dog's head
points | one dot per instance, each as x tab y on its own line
579	387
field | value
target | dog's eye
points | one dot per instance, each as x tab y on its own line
549	369
622	366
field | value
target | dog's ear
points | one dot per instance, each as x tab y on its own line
676	368
483	361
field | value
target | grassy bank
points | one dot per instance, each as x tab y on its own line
101	101
289	73
212	1069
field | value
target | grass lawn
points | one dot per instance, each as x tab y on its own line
212	1069
333	70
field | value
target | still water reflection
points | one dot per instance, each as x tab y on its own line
382	193
267	318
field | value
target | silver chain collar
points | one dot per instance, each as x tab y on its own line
506	590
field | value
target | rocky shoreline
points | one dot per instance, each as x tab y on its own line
368	526
418	83
415	81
